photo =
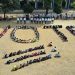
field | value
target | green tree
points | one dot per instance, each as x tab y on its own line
57	6
9	5
47	5
63	3
27	7
73	5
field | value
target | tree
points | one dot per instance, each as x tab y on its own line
9	5
47	5
27	7
57	6
73	4
63	3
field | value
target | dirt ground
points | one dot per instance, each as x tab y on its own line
54	66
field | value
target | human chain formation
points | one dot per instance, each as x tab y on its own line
59	33
23	51
54	27
40	52
4	31
36	60
71	29
14	38
36	20
25	57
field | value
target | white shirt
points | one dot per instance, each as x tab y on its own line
20	18
31	19
46	19
17	19
42	19
24	19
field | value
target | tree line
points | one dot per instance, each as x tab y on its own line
28	7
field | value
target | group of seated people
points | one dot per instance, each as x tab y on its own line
61	35
23	51
41	20
52	26
21	20
25	57
71	29
4	31
14	38
36	60
57	55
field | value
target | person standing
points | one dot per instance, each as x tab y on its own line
18	20
24	20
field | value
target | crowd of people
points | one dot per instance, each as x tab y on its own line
60	34
71	29
21	20
25	57
36	20
36	60
23	51
4	31
14	38
54	49
52	26
41	20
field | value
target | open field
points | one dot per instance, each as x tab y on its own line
54	66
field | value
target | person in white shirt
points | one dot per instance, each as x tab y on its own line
18	20
37	20
52	20
31	19
54	49
46	20
42	20
24	20
57	55
34	20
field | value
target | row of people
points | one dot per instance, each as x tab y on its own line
40	59
52	26
14	38
23	51
71	29
21	20
61	35
4	31
35	20
41	20
25	57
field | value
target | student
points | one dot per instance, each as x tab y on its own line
54	49
24	20
31	19
37	20
57	55
18	20
42	20
46	20
50	44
